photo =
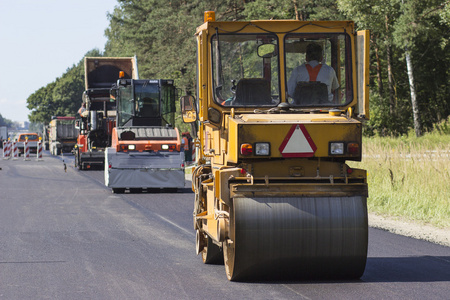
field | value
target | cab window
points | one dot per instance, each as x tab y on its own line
245	70
147	100
31	137
318	69
125	104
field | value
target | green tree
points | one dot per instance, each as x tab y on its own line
405	32
303	10
5	122
270	9
41	104
418	24
68	90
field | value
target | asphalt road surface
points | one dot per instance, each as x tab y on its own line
64	235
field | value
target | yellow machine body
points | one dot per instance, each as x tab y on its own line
273	192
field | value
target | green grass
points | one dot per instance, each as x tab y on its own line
409	177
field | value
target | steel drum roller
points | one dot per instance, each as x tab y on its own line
311	237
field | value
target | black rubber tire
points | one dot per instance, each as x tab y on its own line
212	254
118	190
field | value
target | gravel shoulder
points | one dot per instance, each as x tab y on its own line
415	230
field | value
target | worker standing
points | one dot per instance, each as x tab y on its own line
185	143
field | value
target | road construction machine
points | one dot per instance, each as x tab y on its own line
274	196
62	135
97	115
145	150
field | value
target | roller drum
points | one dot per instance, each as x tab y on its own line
310	237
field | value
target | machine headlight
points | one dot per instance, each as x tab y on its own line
336	148
131	147
262	148
165	147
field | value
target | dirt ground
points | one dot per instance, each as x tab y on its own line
432	234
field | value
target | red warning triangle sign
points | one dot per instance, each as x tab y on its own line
297	143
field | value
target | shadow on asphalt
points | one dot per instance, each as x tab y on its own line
385	269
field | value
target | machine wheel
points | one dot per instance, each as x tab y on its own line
211	253
118	190
78	163
307	238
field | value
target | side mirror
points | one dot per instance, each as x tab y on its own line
267	50
188	109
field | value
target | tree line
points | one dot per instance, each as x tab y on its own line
5	121
410	57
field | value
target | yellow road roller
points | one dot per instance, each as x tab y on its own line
279	108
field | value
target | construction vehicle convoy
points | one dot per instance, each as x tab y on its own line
145	151
273	192
96	117
62	135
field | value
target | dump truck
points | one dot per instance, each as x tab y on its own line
62	135
145	151
97	115
274	195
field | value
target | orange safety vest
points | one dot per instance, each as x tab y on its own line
313	72
186	143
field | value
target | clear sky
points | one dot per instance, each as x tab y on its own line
40	40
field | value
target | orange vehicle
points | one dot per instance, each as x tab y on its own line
146	149
33	139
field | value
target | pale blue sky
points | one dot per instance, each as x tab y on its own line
40	40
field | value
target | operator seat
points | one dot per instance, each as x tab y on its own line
310	93
252	91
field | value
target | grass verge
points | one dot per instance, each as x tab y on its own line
409	177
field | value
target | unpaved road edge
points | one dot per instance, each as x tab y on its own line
411	229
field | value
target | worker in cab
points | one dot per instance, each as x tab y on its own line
314	69
82	111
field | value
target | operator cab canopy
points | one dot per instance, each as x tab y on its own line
258	65
246	70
